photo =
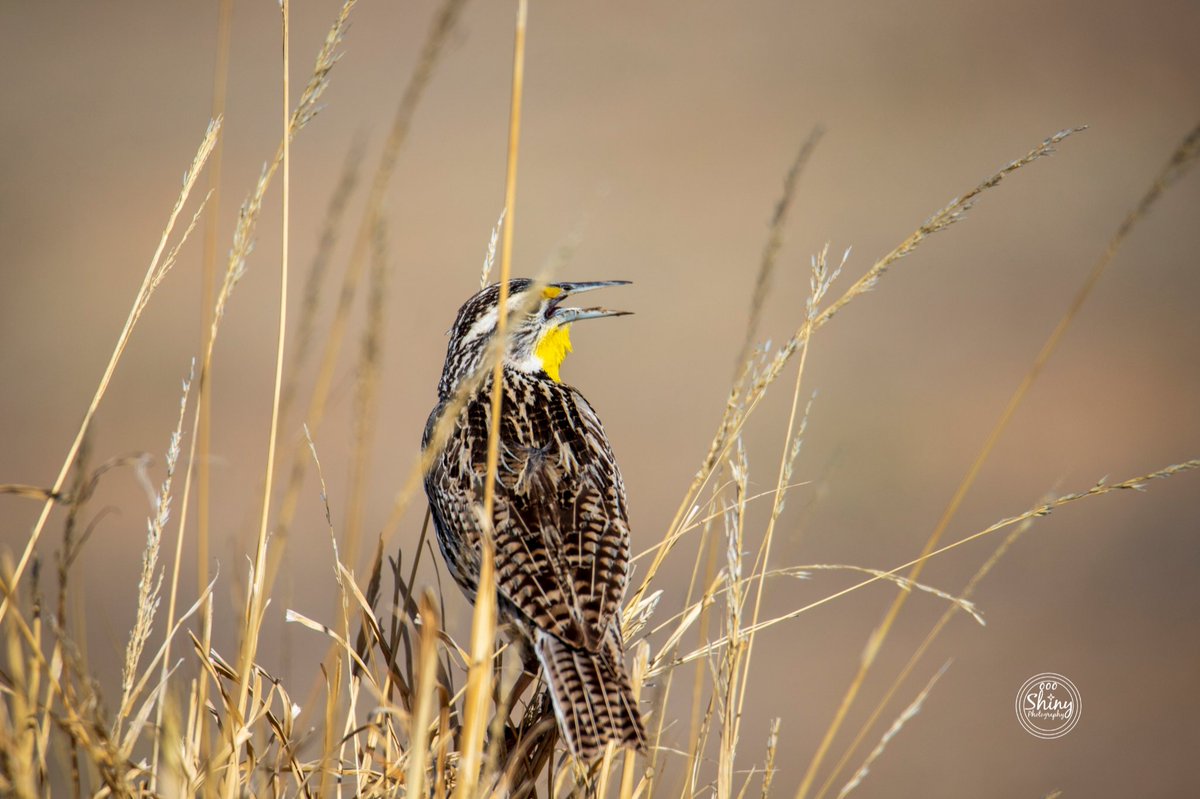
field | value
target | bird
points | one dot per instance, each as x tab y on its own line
560	524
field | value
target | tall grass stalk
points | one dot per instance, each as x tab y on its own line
483	624
208	287
150	581
257	585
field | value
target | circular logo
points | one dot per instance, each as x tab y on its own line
1048	705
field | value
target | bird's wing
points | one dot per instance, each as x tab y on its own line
561	527
562	530
454	487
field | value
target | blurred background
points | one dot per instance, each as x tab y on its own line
656	137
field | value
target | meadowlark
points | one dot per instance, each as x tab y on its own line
560	529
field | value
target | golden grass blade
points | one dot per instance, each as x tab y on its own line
173	773
479	675
418	749
694	521
169	261
18	722
505	674
352	589
641	661
483	624
905	584
688	618
20	732
139	304
510	201
730	671
292	616
604	771
705	603
54	680
955	211
664	694
34	492
208	289
255	594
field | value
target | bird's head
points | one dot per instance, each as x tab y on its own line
539	328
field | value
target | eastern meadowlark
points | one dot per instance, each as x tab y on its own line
560	526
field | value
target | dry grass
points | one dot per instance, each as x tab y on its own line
400	707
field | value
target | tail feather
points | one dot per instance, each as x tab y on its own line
592	697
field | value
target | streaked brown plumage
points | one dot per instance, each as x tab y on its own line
561	525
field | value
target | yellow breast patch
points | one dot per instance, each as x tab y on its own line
553	348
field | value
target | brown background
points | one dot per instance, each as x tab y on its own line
662	131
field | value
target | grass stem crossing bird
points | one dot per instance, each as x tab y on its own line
560	525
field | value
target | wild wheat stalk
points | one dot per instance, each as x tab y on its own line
150	581
255	595
208	285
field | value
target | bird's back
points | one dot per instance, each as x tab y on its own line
561	541
561	522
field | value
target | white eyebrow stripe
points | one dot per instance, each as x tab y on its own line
487	322
482	325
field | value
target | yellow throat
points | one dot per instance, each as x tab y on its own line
553	348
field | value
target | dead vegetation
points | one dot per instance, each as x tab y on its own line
400	707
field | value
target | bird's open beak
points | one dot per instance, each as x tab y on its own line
565	315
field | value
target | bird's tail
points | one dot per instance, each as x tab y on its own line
592	697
